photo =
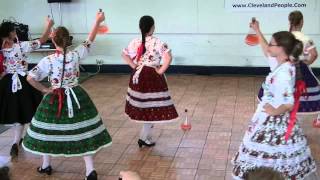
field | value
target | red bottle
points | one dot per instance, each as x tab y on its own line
186	125
252	38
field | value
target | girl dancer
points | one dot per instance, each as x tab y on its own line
67	122
18	100
148	100
272	140
309	104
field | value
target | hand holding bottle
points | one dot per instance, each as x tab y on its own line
252	38
100	18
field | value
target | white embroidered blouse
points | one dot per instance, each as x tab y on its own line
155	49
279	84
51	66
15	61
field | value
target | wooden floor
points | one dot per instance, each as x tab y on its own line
219	107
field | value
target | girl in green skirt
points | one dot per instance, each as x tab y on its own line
67	122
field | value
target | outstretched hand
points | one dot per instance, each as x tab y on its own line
100	17
255	25
49	22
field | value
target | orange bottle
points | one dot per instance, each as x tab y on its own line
252	38
186	125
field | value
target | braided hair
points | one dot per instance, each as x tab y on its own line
62	39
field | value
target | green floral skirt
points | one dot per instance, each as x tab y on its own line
83	134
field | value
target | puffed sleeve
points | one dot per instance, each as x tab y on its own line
41	70
82	51
285	86
132	48
162	47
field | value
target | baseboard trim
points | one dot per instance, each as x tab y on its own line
180	69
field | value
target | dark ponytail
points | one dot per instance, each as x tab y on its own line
1	43
143	42
145	25
295	18
296	52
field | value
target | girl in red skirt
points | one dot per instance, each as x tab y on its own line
148	100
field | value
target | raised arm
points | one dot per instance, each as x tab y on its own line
99	18
47	30
262	41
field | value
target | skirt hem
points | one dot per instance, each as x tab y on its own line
309	174
66	155
155	122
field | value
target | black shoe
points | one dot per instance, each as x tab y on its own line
143	143
47	170
92	176
4	173
14	151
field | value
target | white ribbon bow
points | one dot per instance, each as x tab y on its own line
16	83
69	101
135	78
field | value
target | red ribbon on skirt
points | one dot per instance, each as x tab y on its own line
58	93
300	90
